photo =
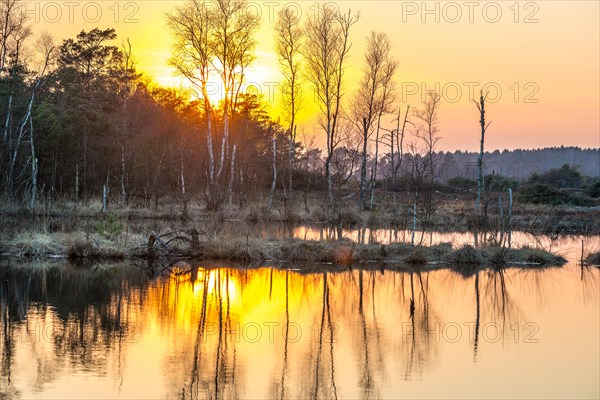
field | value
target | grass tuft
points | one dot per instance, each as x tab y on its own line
466	255
593	259
89	250
417	257
528	255
345	255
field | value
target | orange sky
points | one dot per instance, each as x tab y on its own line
543	56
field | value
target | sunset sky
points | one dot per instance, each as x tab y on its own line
543	56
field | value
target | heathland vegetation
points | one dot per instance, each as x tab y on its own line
85	135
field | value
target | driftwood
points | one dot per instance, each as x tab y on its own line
165	245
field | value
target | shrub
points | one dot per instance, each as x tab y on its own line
565	177
344	255
499	183
375	219
539	193
253	215
592	189
417	257
462	183
347	218
556	187
110	226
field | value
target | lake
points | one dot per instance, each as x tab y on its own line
216	330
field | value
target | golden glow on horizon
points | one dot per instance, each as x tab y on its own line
554	47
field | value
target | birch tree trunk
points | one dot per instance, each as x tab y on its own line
8	115
84	188
363	167
414	226
123	173
292	154
400	140
77	182
374	178
105	192
182	182
224	142
274	172
13	160
209	144
231	174
34	167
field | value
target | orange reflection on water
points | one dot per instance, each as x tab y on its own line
203	332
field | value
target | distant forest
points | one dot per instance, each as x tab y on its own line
520	163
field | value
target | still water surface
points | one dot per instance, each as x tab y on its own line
221	331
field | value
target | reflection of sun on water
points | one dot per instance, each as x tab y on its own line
220	349
218	284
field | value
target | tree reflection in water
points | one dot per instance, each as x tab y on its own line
208	331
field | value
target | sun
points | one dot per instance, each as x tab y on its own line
262	80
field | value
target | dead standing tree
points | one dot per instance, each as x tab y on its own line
326	50
484	127
480	178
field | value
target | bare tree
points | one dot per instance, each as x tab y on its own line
288	41
12	24
274	182
400	139
215	39
395	141
326	50
126	81
366	104
308	141
234	43
372	100
387	98
14	145
480	183
14	32
46	47
347	156
428	132
191	25
417	175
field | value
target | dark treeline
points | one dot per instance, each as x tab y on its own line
88	123
521	163
515	164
